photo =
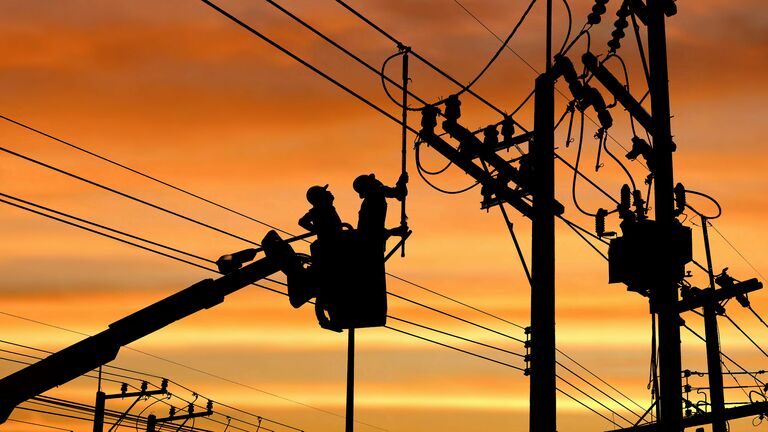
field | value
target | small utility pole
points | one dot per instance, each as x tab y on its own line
664	295
543	408
350	414
714	370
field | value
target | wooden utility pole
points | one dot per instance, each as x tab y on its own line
664	294
543	408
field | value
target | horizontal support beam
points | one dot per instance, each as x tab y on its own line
753	409
701	299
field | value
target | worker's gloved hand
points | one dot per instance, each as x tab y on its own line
400	186
227	264
400	231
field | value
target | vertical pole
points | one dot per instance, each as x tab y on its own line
543	393
714	369
151	423
665	294
98	412
350	417
403	169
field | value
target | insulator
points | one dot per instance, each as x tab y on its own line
491	136
592	97
670	8
626	197
679	192
429	118
563	66
164	384
144	386
209	406
639	203
452	108
597	11
600	221
620	24
172	411
507	128
190	408
123	388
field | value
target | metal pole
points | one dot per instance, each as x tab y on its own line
543	408
98	411
714	369
665	294
350	417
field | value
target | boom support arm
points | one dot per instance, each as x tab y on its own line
94	351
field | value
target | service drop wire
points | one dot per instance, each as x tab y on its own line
498	52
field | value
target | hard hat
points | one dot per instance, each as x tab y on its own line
363	182
315	194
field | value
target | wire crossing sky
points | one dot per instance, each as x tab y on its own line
177	106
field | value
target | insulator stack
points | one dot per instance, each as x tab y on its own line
490	137
452	108
507	128
620	24
597	12
639	203
429	119
680	202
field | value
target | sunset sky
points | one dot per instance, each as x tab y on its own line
175	90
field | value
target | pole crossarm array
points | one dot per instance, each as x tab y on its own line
747	410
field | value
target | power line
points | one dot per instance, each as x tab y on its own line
594	399
745	334
455	348
138	172
125	195
212	270
37	424
586	406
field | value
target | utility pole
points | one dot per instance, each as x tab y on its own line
712	336
543	408
665	295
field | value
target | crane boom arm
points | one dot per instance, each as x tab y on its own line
94	351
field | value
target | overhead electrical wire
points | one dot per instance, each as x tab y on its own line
206	2
212	270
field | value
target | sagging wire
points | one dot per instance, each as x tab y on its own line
570	25
576	168
583	32
421	172
498	52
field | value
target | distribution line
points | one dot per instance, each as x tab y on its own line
11	419
563	95
456	336
587	406
600	379
455	348
745	334
125	195
177	258
137	172
599	390
93	376
594	399
133	378
201	266
302	61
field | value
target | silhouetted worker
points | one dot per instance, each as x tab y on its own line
323	220
373	210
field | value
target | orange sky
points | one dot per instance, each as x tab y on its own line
174	89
